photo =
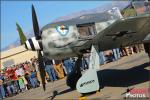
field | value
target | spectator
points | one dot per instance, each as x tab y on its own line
9	87
86	57
21	83
14	79
31	65
59	69
84	64
21	80
109	56
27	77
129	50
26	67
2	91
116	53
37	72
101	58
123	52
33	79
50	70
19	71
141	47
68	65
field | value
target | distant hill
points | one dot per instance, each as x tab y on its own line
17	42
120	4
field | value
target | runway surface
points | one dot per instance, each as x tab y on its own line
115	77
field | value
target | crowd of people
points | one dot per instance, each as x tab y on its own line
25	76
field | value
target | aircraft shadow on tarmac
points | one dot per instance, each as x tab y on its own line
124	77
119	77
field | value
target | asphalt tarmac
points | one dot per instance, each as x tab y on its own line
115	78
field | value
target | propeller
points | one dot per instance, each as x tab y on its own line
36	29
23	39
37	34
21	34
26	42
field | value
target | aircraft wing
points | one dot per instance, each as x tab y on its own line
124	32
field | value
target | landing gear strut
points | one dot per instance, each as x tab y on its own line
88	82
74	76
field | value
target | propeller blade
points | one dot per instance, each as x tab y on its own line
42	69
21	34
35	24
37	34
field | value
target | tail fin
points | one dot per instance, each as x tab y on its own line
21	34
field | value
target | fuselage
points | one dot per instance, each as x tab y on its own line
74	37
65	39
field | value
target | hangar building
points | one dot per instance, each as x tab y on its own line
15	56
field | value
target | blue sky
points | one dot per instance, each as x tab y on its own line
47	11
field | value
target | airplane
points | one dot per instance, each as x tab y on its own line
96	32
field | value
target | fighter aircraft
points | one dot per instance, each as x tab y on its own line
95	32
